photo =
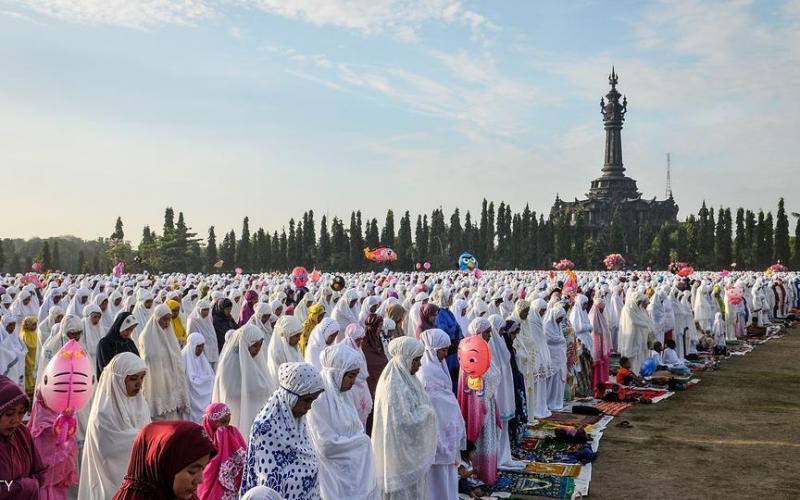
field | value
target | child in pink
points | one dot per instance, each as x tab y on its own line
61	459
222	476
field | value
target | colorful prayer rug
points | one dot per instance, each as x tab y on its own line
564	470
539	485
612	408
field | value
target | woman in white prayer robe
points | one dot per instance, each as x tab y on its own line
283	348
200	321
323	335
344	451
404	426
142	311
533	356
93	329
557	344
346	311
199	375
165	385
118	413
242	381
635	329
451	436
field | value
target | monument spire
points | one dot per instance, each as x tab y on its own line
613	116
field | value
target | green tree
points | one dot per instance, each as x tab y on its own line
372	237
724	247
404	245
356	242
782	252
751	237
56	256
45	258
292	257
119	233
309	249
2	256
324	250
796	245
740	244
455	236
387	233
243	249
212	256
769	240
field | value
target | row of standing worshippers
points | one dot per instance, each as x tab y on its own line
537	386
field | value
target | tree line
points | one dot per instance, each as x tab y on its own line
498	237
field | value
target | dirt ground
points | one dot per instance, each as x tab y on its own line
735	435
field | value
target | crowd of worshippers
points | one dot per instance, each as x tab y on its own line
248	386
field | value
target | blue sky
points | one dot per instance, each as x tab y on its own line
227	108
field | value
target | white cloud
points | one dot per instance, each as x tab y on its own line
401	18
127	13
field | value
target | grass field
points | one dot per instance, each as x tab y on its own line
735	435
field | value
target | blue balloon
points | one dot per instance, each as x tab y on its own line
466	262
648	367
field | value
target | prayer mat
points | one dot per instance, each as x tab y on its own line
539	485
565	470
611	408
571	419
650	395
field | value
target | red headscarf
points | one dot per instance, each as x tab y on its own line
160	451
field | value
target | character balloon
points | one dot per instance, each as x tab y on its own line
314	276
338	283
299	277
380	255
466	262
67	387
474	356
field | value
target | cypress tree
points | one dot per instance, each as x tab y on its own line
283	252
740	246
751	240
45	258
211	248
455	236
782	252
769	240
372	237
324	250
309	240
404	245
356	242
243	257
56	256
387	233
119	233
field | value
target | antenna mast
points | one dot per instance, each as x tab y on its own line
669	178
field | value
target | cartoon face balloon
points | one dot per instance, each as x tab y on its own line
299	276
466	262
474	357
67	386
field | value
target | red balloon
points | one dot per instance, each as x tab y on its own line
474	356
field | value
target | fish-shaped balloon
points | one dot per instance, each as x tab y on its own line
67	387
380	254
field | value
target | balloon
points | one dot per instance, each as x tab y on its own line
648	367
239	270
474	357
427	266
37	267
67	387
338	284
299	276
315	276
418	266
466	262
478	273
381	254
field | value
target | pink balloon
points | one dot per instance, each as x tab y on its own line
315	276
474	357
419	266
427	266
299	276
67	386
478	273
